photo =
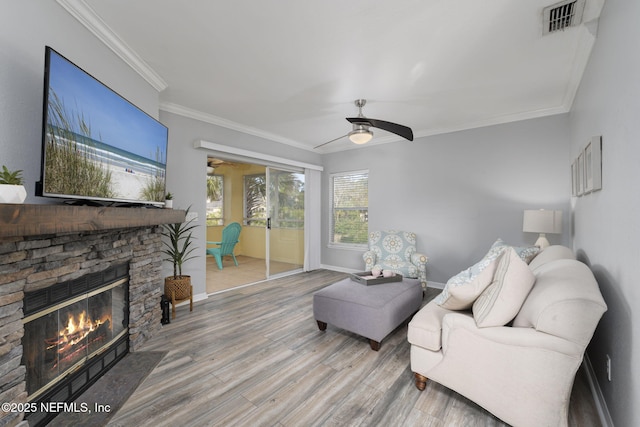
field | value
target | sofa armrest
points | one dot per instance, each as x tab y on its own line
419	259
518	338
370	259
521	375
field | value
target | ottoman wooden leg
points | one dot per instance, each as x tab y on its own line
321	325
421	381
375	345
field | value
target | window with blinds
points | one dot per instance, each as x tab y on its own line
350	208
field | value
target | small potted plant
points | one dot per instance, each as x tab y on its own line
168	201
11	186
178	250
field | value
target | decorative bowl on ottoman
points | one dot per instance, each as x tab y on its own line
368	278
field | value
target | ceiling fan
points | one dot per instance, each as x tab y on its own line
361	124
213	163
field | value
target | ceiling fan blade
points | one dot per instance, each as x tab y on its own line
329	142
399	130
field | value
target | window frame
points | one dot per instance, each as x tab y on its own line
221	219
341	245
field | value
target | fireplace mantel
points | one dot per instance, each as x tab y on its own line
18	220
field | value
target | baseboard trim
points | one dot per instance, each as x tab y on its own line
435	285
601	404
339	269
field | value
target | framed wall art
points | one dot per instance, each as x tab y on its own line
593	164
580	174
588	169
574	178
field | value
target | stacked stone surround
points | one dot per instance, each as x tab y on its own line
32	263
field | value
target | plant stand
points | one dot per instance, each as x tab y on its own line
178	289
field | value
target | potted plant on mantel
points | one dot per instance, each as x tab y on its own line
178	249
11	186
168	201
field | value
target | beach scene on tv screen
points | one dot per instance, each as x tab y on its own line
97	144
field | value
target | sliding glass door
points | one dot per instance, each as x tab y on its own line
285	221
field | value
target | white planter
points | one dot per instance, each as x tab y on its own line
12	193
168	204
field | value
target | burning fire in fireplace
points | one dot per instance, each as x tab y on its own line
73	333
77	336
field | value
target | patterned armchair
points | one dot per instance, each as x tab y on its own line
396	251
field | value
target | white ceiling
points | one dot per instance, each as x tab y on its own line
289	70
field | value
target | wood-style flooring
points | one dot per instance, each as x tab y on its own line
255	357
249	270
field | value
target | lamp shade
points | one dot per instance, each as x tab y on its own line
360	136
542	221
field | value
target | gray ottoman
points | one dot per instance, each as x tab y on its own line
370	311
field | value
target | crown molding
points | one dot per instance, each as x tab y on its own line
84	14
498	120
225	123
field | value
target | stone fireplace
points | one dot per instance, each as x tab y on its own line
51	260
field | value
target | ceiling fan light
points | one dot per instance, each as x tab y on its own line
360	136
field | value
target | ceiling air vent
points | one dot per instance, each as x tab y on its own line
562	15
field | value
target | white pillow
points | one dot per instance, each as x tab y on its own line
500	302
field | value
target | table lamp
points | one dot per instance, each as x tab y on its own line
542	221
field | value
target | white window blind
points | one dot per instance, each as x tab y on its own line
350	208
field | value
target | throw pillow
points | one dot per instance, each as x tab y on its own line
500	302
465	277
462	296
526	253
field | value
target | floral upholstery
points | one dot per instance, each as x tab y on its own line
396	251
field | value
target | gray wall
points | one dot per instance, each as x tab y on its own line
607	226
187	171
460	191
26	27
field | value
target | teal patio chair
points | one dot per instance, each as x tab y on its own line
230	236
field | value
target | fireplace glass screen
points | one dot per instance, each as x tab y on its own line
61	338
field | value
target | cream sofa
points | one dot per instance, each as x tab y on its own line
522	372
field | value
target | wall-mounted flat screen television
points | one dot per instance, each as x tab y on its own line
96	146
